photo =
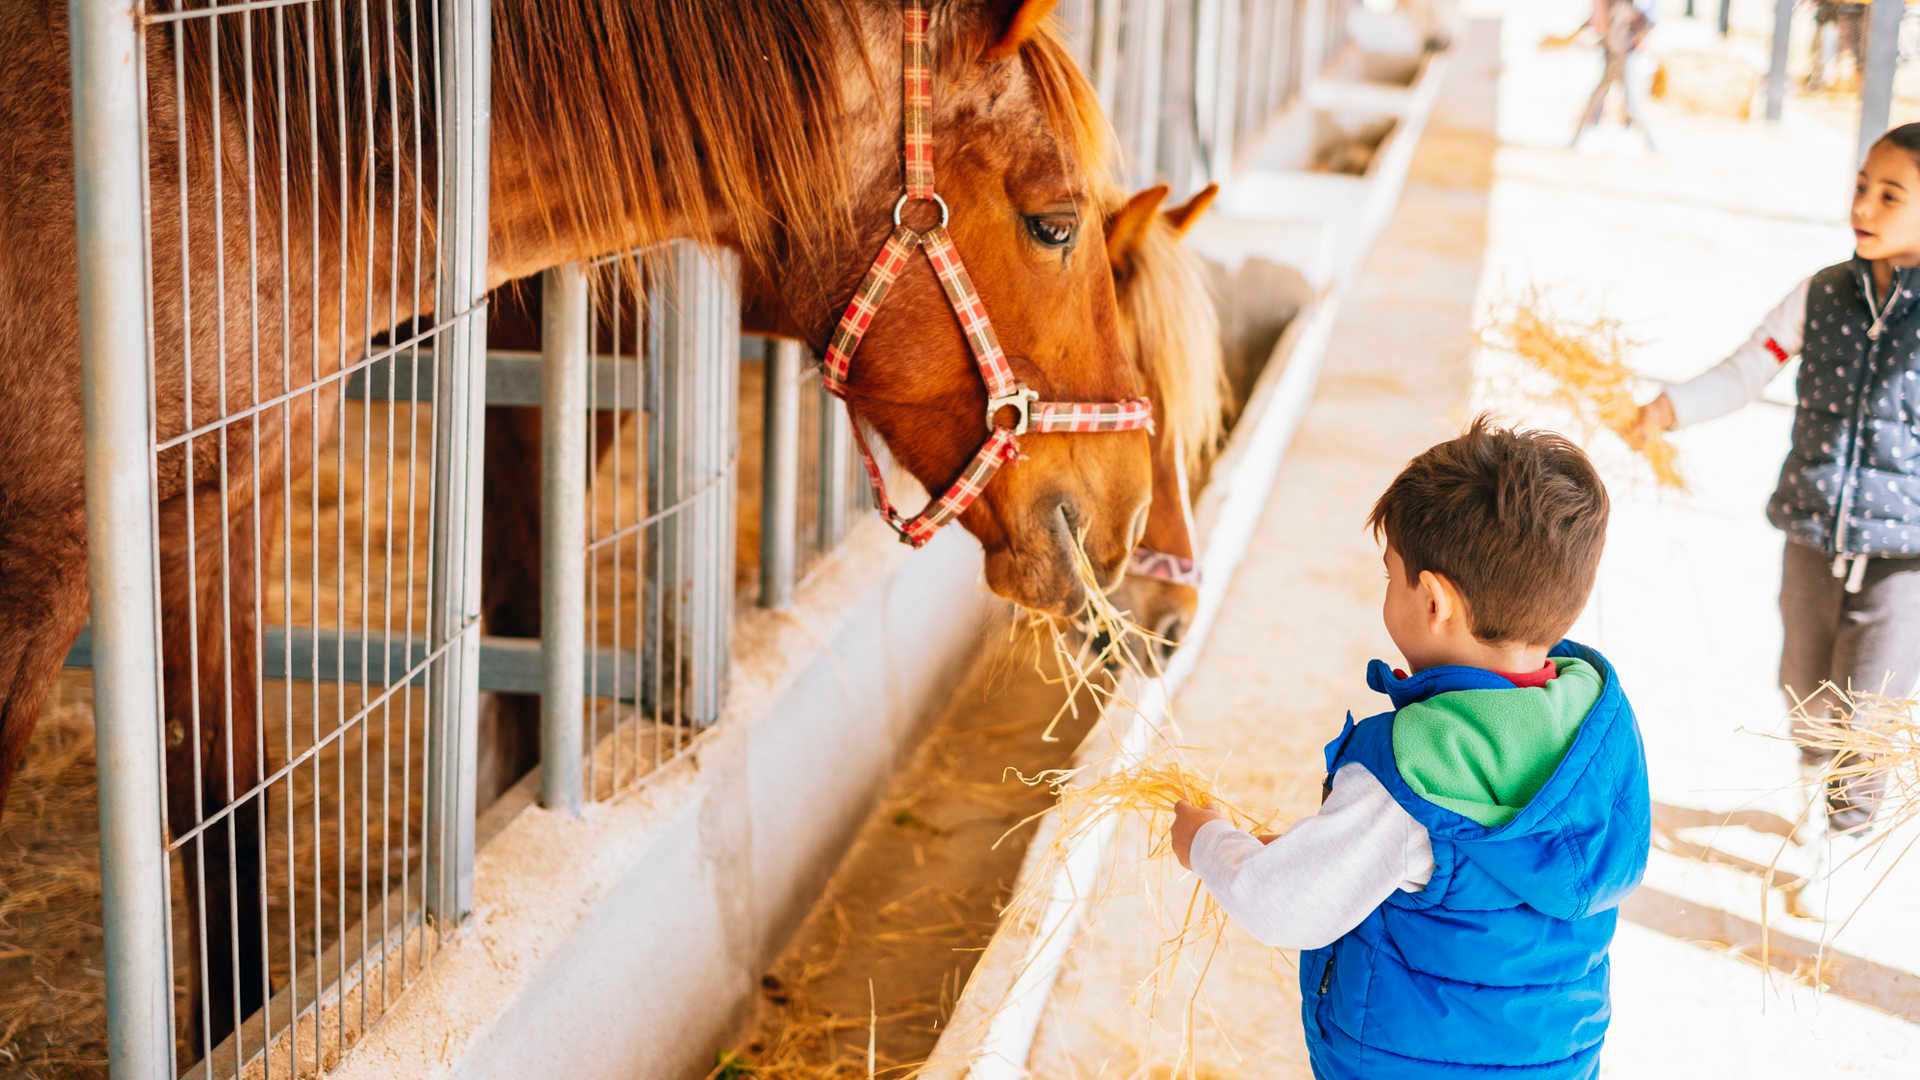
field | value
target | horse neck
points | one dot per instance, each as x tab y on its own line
663	143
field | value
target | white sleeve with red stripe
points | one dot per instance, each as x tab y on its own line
1741	377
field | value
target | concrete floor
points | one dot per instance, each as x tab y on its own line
1690	249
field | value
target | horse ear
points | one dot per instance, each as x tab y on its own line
1182	217
1019	20
1129	224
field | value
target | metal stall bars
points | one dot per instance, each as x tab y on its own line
1188	81
813	487
639	577
255	230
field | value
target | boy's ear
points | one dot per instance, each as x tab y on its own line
1442	599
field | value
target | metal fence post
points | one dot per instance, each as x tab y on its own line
1777	69
836	462
565	340
1137	111
1876	84
780	471
693	312
459	454
1104	65
122	575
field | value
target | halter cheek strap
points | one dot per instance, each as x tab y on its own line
1006	394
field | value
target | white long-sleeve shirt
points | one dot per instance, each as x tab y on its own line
1741	377
1324	875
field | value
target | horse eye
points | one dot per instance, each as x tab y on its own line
1052	230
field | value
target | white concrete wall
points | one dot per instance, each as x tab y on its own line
629	941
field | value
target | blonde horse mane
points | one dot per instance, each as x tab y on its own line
1176	335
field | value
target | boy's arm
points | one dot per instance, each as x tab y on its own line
1320	878
1741	377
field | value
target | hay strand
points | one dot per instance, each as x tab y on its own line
1586	361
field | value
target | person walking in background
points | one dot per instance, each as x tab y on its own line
1623	26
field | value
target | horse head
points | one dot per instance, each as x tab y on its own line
1171	332
1022	157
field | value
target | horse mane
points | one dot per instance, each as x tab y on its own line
725	109
1176	335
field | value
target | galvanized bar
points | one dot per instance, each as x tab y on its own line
1883	59
1105	63
836	457
512	378
780	470
1314	39
1149	35
1256	61
122	574
1777	66
508	665
1226	99
1177	135
459	447
694	303
565	429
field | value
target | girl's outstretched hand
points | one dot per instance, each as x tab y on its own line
1656	416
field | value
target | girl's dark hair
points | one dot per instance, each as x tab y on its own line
1906	137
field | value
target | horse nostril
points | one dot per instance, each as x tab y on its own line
1168	631
1137	530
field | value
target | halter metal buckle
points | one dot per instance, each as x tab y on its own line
945	214
1019	401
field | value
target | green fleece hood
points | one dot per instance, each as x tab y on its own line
1483	754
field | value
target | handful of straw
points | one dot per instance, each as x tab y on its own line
1094	797
1865	736
1587	362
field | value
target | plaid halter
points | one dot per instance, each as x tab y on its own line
1164	566
1004	391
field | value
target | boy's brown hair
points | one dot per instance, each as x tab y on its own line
1515	519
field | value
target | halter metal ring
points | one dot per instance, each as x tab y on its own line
1019	401
906	198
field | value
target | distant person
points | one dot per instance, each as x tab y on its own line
1840	26
1848	497
1623	26
1456	894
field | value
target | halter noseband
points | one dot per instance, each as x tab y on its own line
1004	391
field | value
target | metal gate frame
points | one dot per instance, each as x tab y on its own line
108	54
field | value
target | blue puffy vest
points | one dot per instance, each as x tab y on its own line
1851	481
1500	962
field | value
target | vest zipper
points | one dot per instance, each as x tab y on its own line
1326	976
1863	394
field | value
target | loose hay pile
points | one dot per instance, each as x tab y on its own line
1586	361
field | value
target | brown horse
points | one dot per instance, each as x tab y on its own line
293	223
1171	329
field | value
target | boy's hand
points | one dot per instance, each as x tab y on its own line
1187	819
1655	417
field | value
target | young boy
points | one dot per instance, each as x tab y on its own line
1456	894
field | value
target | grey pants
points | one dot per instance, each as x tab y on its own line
1867	641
